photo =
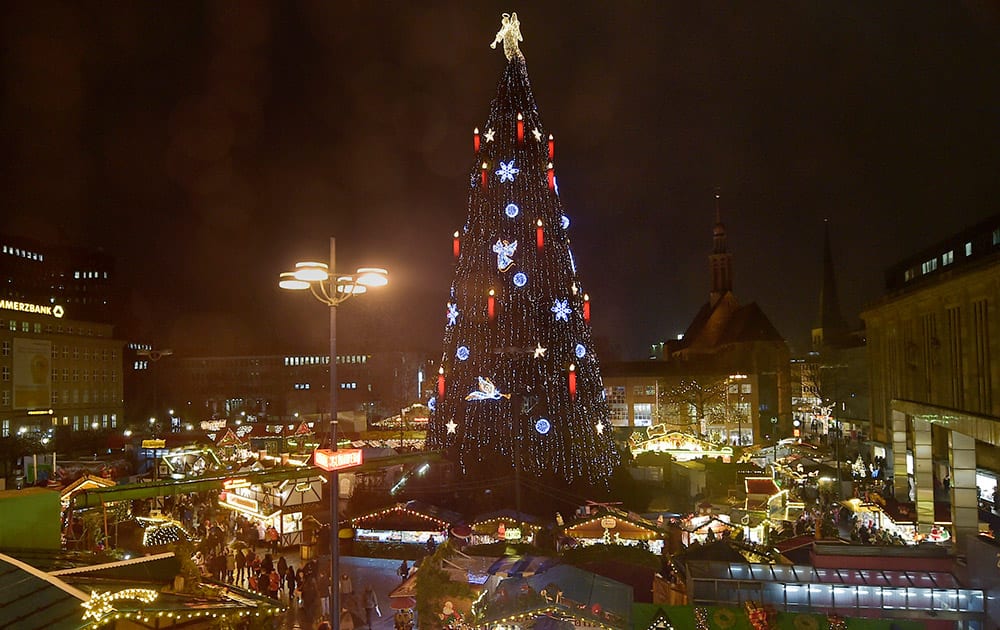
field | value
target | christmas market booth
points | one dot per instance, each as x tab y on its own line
899	519
611	526
502	526
562	593
156	591
275	502
679	445
410	523
704	527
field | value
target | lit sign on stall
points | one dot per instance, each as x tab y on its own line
330	460
233	484
244	503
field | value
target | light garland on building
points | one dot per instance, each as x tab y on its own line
399	508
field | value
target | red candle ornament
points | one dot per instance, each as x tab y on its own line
540	235
586	308
552	176
456	245
491	305
552	148
441	383
572	382
520	127
475	139
484	174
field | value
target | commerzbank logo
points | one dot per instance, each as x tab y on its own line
27	307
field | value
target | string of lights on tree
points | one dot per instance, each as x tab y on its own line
519	376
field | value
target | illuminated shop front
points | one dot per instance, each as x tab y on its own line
679	445
701	527
275	504
408	523
610	526
505	525
902	524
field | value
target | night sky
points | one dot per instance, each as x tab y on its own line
208	146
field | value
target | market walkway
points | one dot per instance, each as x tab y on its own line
379	572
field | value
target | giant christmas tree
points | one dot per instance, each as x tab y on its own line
519	378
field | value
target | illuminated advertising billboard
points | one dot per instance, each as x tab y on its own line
32	373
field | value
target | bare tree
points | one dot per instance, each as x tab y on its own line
689	402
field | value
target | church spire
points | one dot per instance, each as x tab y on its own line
720	261
830	330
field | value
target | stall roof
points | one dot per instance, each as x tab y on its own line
508	515
32	599
821	575
409	516
570	593
637	521
521	566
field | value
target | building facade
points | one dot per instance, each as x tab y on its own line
934	347
264	387
56	371
727	378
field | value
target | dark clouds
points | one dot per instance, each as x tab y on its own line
209	145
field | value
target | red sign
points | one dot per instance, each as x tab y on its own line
330	460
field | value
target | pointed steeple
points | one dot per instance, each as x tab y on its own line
720	261
830	329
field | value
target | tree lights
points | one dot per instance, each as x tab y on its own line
534	320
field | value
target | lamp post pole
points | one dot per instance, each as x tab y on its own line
334	475
331	288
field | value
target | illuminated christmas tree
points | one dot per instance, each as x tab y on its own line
519	379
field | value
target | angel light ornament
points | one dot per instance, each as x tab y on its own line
504	251
487	391
510	35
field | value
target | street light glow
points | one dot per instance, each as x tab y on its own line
310	271
287	280
373	277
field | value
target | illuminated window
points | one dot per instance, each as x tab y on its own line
5	348
38	327
968	249
996	236
6	373
947	258
12	325
5	428
5	399
25	327
928	266
642	413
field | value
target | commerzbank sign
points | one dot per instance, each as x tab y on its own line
27	307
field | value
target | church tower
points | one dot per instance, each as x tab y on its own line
720	261
830	329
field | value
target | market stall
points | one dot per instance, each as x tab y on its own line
408	523
503	526
611	526
274	503
679	445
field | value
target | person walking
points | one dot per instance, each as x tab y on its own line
370	601
403	571
282	569
230	565
290	585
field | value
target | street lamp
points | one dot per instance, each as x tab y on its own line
332	288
